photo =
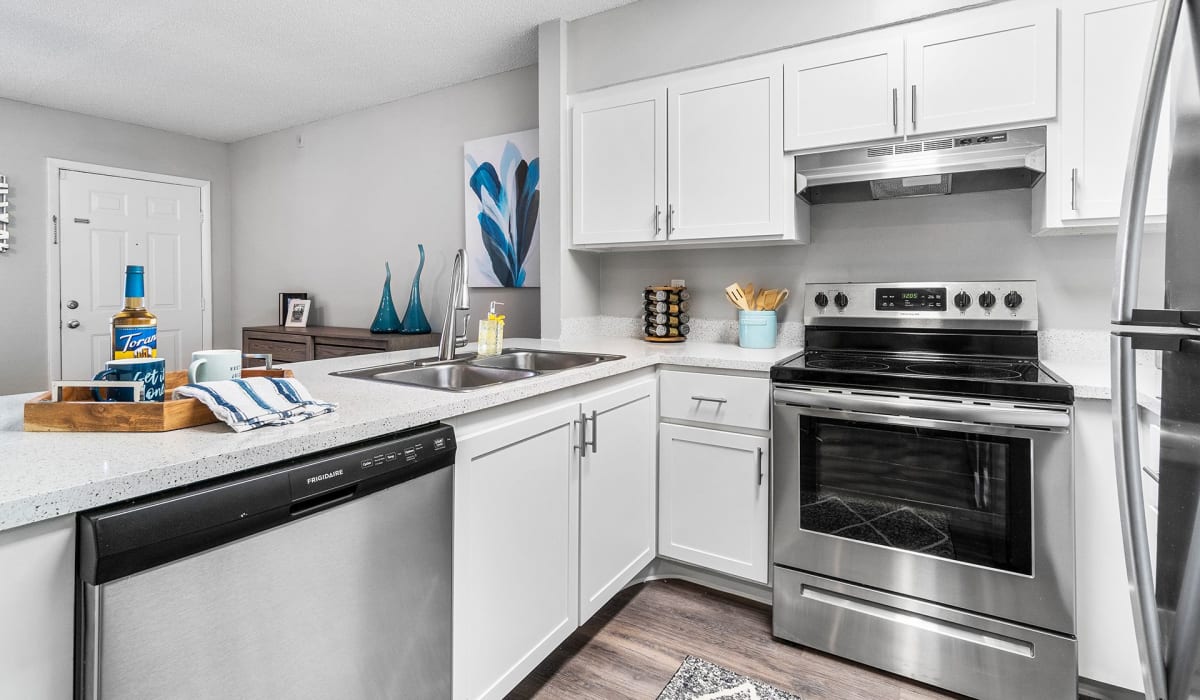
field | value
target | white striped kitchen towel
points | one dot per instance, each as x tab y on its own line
245	404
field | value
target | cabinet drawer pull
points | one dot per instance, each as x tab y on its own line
760	466
914	105
895	108
595	441
1074	189
709	398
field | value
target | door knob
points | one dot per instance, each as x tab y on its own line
72	323
72	304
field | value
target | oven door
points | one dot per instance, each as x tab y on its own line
960	502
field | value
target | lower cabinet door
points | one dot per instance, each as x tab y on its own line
713	499
513	589
616	492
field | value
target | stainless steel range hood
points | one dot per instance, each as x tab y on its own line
978	162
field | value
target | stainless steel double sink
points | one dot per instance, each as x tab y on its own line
469	372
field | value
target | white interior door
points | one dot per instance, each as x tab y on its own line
109	222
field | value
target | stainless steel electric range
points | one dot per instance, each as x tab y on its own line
923	510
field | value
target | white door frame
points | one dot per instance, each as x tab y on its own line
54	262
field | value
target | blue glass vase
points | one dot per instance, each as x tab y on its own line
414	322
386	320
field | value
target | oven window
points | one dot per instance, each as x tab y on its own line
951	495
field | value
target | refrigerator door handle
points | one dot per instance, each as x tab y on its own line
1127	450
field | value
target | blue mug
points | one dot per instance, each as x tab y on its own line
150	371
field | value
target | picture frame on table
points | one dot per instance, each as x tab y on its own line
297	313
285	299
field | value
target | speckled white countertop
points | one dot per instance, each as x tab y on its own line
1093	380
43	475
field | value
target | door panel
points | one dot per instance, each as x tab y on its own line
985	68
618	168
843	91
724	155
713	499
1101	90
616	493
107	223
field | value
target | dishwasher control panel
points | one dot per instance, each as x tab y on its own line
407	452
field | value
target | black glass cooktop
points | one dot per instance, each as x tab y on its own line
938	374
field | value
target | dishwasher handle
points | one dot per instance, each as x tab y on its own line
127	538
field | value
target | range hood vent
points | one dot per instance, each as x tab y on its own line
981	162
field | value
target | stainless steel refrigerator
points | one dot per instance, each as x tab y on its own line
1165	591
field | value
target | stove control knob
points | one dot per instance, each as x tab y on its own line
987	300
821	300
962	300
1012	300
840	300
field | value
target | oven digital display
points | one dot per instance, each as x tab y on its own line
910	299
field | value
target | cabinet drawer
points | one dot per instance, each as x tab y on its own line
324	352
743	402
280	351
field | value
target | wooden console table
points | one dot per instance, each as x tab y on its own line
321	342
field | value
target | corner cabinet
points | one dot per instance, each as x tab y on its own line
1101	90
694	158
554	513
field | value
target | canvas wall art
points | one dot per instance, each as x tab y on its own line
502	201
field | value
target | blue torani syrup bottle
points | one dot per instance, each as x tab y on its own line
134	330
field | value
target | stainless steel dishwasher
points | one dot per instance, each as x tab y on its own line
327	576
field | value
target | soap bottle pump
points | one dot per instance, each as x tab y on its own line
491	332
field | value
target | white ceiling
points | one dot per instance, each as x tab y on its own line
231	69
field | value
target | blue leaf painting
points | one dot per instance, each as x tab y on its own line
507	202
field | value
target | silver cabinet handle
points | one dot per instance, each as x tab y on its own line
72	323
914	105
709	398
895	108
594	429
581	441
670	219
1074	188
760	466
657	219
978	492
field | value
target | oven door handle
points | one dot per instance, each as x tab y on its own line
895	410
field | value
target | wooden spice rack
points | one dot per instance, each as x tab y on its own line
675	312
79	412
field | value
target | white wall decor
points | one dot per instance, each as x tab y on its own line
501	206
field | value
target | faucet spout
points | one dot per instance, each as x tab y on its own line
459	300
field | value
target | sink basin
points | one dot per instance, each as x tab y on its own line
470	372
452	376
541	360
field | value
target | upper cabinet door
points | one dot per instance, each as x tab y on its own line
983	68
725	155
843	91
618	173
1101	90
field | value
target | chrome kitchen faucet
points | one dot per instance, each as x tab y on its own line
459	300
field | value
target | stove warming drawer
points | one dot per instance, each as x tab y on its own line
970	654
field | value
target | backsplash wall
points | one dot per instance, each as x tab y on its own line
960	237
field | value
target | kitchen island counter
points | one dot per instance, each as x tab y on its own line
43	475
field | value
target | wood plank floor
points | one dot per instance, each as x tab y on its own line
632	647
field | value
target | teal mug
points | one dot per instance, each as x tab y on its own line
150	371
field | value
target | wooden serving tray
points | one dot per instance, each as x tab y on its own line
79	412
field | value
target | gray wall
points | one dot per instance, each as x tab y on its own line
960	237
652	37
28	136
365	188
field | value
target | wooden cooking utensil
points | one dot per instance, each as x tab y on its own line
737	296
767	299
780	297
748	290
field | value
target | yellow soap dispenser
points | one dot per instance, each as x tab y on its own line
491	332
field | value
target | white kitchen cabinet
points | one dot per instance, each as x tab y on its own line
37	607
618	168
514	597
981	68
844	91
724	135
1101	90
713	499
1103	614
617	488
